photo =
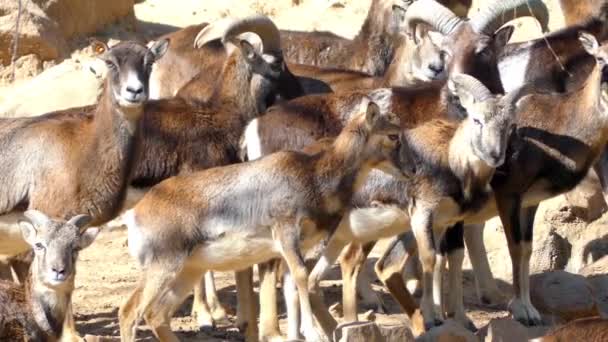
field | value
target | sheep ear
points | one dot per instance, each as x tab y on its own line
159	48
87	237
248	50
502	36
466	98
372	114
80	221
98	46
589	42
28	231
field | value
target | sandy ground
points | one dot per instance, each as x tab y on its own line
106	273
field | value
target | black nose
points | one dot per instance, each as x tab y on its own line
58	270
135	90
436	68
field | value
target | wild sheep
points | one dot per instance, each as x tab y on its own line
576	12
88	152
416	61
41	308
545	158
370	52
179	137
232	232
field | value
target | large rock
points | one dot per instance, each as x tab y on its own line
38	34
449	331
357	332
503	330
550	252
507	329
587	198
597	274
69	84
46	25
588	245
563	296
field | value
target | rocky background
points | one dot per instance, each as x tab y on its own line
52	68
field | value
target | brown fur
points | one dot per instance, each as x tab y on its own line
544	70
576	12
322	184
594	329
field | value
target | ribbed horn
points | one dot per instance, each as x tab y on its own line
472	85
213	31
439	17
499	12
260	25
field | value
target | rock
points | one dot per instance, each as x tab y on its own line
587	197
449	331
69	84
358	332
503	329
550	255
46	26
77	17
38	34
396	333
563	295
597	274
588	245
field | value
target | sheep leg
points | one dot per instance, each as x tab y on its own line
352	259
485	285
162	301
330	255
369	298
440	263
129	314
200	306
389	267
288	236
269	317
422	227
218	312
246	304
518	225
454	248
292	303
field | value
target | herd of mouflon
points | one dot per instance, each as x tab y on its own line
286	150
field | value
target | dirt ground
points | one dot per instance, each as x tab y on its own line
107	274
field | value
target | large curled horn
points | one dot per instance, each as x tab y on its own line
497	13
433	13
472	85
213	31
260	25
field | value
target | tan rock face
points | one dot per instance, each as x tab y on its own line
597	274
46	25
563	295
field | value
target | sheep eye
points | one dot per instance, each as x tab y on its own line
477	122
110	65
393	137
39	246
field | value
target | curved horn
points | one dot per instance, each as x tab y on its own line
472	85
213	31
496	14
36	217
433	13
260	25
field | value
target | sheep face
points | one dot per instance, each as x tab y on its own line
129	65
56	244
